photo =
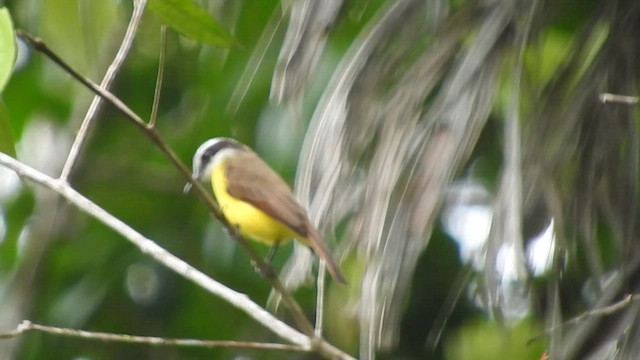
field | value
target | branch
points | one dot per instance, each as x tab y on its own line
320	299
602	311
147	246
162	255
158	90
154	136
39	45
26	326
138	10
256	58
621	99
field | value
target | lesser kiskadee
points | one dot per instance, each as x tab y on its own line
255	199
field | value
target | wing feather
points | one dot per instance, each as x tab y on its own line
256	183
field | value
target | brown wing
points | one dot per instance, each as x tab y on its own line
255	182
320	248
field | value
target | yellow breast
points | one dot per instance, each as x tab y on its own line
252	222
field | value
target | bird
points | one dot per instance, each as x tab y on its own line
255	199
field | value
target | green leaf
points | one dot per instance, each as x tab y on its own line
16	215
7	47
187	18
6	136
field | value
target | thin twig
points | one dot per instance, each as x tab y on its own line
602	311
256	58
296	311
158	89
605	311
138	10
27	325
320	299
448	306
615	98
105	94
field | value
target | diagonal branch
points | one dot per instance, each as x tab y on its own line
138	10
154	136
608	310
148	246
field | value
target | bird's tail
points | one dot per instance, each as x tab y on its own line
318	245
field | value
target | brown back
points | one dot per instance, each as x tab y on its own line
253	181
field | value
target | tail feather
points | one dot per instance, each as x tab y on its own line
318	245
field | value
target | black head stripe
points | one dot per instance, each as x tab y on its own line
202	159
220	145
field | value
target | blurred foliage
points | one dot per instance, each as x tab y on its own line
483	341
7	47
7	59
6	134
63	268
86	274
188	19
